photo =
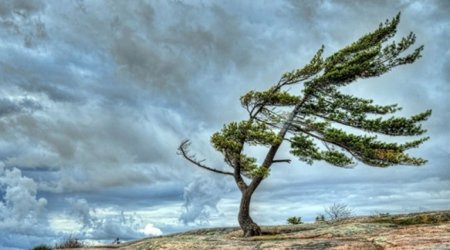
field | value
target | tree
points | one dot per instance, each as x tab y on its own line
312	120
338	211
294	220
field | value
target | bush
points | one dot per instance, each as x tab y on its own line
42	247
294	220
338	211
70	243
320	218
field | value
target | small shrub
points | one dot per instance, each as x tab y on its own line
338	211
70	243
320	218
376	215
294	220
42	247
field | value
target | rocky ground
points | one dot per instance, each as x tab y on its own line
430	230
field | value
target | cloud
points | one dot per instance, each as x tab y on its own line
11	107
150	229
22	19
20	207
200	199
80	210
97	95
23	219
20	7
135	146
104	226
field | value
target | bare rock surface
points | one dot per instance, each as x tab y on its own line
430	230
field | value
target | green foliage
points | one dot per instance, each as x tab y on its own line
320	218
232	136
315	113
42	247
363	58
294	220
353	112
367	57
305	148
270	98
307	71
251	169
230	141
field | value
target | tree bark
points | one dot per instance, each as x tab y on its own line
246	223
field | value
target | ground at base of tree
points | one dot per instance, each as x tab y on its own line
428	230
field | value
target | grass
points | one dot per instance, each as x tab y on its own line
42	247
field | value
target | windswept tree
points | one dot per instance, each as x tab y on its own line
320	122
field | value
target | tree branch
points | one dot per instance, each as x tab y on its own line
239	180
183	151
237	172
268	160
262	105
351	152
282	160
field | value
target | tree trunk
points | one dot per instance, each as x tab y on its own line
249	227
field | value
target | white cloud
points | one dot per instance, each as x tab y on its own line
151	230
23	218
20	207
201	198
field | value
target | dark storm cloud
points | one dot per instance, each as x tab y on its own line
20	18
9	107
184	55
21	7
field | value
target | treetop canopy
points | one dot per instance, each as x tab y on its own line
308	119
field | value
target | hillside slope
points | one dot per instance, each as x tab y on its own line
430	230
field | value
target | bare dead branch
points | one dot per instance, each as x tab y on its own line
183	150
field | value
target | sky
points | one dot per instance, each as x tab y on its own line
96	96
